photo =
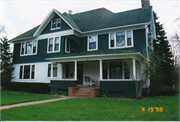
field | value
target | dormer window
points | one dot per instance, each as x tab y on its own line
121	39
56	23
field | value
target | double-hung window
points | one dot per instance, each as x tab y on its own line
28	48
92	43
53	44
56	23
121	39
27	72
52	68
67	45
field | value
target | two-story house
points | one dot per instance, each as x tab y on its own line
66	48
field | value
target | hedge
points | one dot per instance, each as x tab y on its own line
30	87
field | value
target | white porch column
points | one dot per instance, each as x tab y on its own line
100	69
51	70
134	68
60	73
75	70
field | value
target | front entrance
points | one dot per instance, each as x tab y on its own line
80	74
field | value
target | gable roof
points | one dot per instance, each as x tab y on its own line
93	20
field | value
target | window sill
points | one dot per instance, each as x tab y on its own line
28	54
93	50
55	28
54	51
121	47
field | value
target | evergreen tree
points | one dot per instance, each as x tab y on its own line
6	61
162	48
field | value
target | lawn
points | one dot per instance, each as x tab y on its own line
12	97
98	109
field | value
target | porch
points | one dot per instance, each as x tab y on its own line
110	76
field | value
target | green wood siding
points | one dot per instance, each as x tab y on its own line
79	47
64	26
103	42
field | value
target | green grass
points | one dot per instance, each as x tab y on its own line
98	109
12	97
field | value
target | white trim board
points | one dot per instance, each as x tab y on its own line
94	57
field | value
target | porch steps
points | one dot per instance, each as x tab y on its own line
84	91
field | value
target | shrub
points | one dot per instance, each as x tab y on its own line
168	90
30	87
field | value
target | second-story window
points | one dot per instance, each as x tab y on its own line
67	45
92	43
29	48
56	23
121	39
53	44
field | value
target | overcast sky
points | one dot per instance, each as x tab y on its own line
19	16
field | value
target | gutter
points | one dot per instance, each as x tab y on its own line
86	56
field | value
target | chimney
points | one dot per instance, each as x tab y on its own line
70	12
145	4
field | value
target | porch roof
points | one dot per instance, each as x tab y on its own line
95	55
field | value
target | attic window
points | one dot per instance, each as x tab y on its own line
56	23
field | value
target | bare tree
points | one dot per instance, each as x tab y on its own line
2	28
149	65
175	45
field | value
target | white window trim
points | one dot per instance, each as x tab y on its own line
66	46
53	44
30	72
56	24
51	71
96	43
126	46
32	48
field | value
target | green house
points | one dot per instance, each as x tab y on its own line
86	49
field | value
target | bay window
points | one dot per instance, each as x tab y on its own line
28	48
121	39
67	45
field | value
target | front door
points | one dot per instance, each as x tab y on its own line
80	74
